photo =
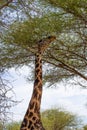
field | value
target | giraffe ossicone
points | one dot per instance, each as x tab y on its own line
32	118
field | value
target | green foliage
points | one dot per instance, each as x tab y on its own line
85	127
1	126
2	2
30	31
66	56
67	3
13	126
56	119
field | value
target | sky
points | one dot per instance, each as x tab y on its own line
71	98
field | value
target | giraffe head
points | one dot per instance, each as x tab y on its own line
44	43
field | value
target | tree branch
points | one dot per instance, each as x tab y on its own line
67	67
6	4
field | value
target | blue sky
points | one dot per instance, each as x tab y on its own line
72	98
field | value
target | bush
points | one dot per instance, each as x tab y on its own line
56	119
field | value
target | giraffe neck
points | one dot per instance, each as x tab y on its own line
37	90
32	119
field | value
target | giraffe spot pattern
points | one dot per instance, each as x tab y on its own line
37	65
32	120
32	128
30	114
30	123
31	105
36	81
35	93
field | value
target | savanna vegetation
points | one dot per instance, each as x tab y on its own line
55	119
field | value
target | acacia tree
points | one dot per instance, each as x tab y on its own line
57	119
67	20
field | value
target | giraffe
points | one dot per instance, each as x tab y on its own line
32	118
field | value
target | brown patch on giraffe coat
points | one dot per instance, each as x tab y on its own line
31	105
30	123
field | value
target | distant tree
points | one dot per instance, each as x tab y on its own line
56	119
6	100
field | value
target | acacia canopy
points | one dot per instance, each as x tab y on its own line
67	20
